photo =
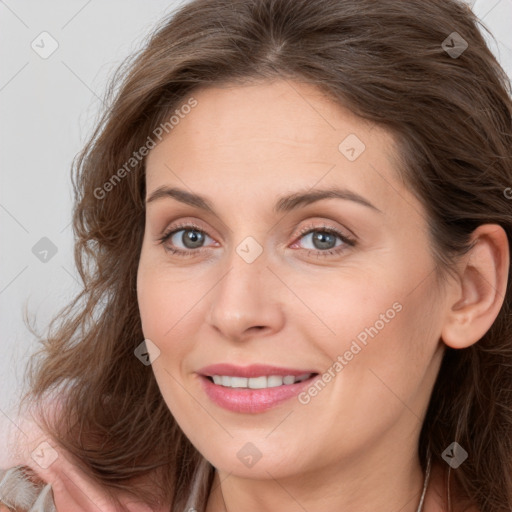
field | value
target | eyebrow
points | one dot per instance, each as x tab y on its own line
284	204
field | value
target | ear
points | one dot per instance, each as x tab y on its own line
480	290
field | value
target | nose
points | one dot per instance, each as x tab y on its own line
246	300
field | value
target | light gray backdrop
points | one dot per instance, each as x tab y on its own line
55	58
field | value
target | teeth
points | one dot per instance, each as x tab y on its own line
274	381
255	382
237	382
263	382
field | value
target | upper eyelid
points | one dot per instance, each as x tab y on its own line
191	224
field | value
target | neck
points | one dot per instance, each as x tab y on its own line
344	489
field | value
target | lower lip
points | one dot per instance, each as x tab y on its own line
252	400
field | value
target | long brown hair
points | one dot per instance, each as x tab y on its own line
388	62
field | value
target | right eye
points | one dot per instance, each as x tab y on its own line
191	237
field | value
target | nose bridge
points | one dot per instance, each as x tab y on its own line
243	298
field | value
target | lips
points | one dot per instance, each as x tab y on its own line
247	399
254	370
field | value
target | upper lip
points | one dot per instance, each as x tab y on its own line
253	370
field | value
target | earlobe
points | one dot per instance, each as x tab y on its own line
480	289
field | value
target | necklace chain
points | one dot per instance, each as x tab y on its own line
425	483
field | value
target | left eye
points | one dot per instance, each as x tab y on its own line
322	240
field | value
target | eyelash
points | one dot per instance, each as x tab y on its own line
347	241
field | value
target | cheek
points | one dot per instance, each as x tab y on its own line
376	362
153	303
353	304
170	308
160	305
156	298
164	322
380	319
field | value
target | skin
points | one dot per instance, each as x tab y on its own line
353	446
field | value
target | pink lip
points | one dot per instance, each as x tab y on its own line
254	370
251	401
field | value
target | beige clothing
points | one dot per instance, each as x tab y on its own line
19	493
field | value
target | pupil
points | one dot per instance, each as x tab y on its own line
192	239
323	240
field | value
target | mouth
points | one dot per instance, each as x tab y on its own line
261	382
253	389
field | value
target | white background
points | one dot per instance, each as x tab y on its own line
47	109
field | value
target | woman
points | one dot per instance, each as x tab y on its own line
293	226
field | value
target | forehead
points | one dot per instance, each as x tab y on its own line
271	135
279	113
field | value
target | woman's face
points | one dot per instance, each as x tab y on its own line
312	257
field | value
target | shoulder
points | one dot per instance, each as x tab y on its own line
41	476
38	475
24	484
21	489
